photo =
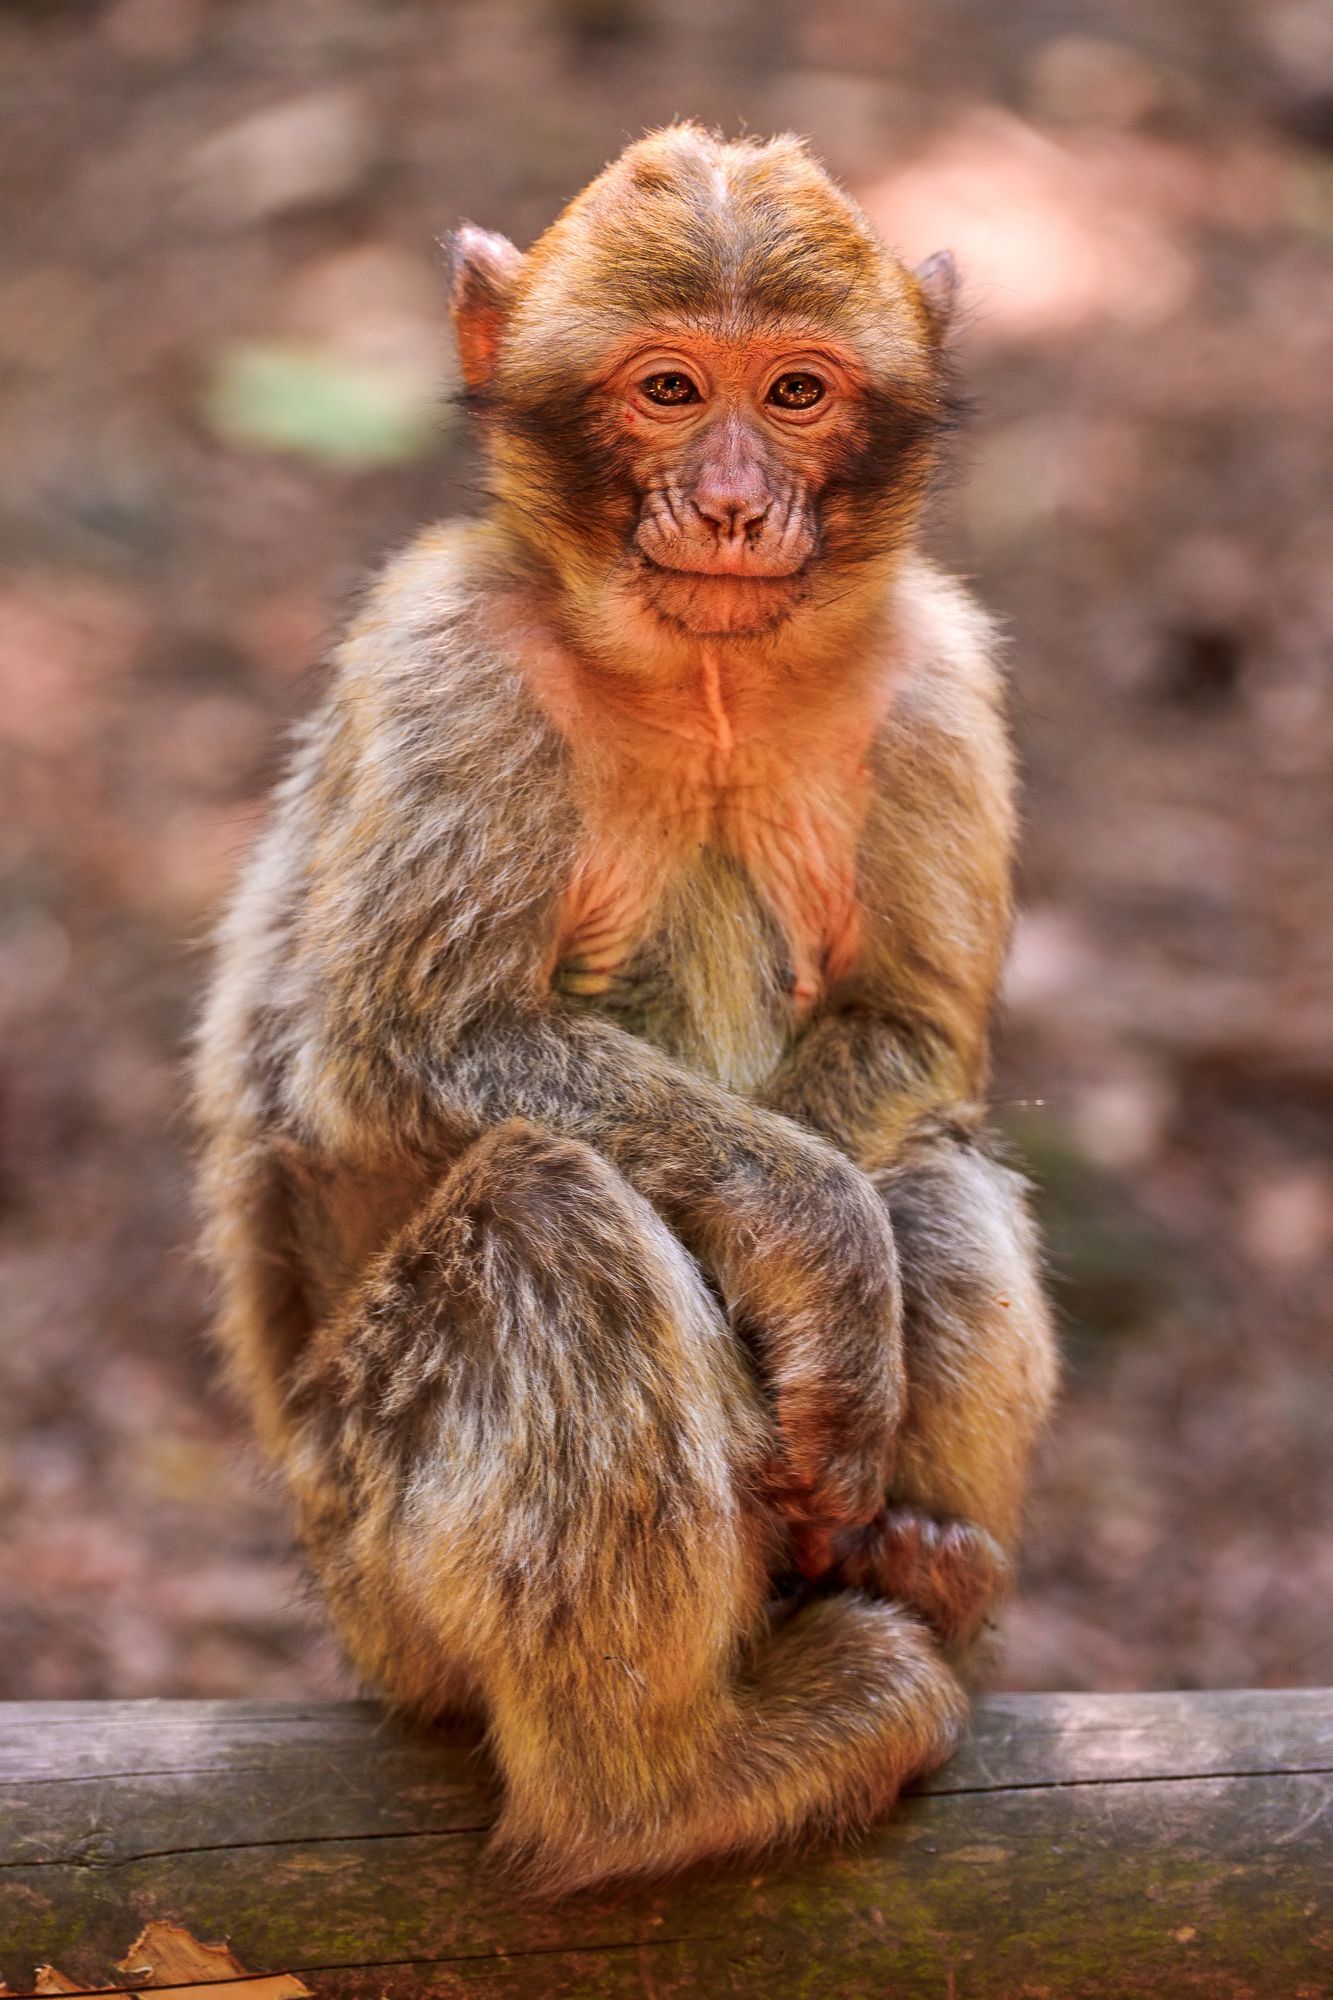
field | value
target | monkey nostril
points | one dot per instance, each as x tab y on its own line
730	516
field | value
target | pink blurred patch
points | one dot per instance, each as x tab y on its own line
1048	236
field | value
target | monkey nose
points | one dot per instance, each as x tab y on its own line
730	510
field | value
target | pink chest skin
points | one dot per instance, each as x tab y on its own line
664	774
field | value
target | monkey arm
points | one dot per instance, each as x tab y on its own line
798	1243
864	1079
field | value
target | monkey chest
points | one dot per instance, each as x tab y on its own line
705	974
715	960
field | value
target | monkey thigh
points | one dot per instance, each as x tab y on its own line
980	1365
521	1445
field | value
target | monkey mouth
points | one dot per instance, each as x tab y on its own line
709	570
719	603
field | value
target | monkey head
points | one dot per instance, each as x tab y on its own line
711	394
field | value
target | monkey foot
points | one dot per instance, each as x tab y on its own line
951	1572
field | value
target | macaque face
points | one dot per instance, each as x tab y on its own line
713	394
728	444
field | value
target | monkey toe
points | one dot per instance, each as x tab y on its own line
950	1572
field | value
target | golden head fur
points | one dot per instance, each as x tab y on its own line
730	267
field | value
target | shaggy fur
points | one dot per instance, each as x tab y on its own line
590	1082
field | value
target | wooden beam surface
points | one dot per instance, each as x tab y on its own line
1098	1845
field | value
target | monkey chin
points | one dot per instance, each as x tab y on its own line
722	607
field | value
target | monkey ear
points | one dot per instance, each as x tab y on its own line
938	279
483	270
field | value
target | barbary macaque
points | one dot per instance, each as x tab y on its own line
612	1252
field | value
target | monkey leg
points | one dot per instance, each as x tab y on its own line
525	1452
980	1360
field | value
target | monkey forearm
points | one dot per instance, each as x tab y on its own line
704	1157
863	1081
676	1137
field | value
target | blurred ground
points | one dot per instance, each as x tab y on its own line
221	346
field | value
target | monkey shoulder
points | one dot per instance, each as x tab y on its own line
434	753
414	853
444	785
948	678
431	664
942	756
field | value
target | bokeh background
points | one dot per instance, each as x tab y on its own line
224	381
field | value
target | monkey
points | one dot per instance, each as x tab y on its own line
612	1251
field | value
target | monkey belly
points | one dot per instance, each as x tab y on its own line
711	983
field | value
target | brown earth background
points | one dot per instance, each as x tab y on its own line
224	377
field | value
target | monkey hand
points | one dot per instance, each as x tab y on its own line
951	1572
818	1296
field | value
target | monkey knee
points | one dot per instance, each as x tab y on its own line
522	1162
456	1276
977	1336
966	1243
538	1323
556	1204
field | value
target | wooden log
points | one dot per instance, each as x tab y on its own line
1107	1845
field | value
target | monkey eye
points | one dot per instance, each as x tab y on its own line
669	387
797	391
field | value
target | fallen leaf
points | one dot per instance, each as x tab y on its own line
171	1956
166	1954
